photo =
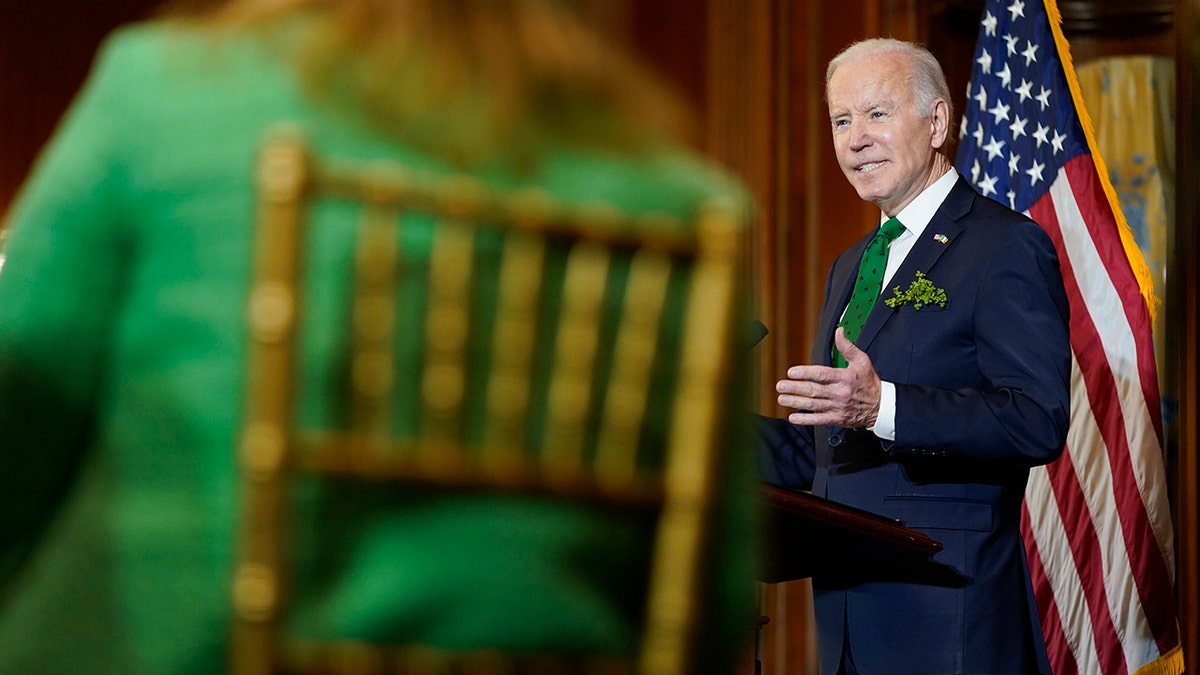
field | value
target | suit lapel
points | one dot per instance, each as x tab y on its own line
937	239
840	288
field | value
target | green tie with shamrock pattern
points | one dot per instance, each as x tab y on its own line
868	285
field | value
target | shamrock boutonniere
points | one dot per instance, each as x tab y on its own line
920	292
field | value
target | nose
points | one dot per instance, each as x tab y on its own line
859	137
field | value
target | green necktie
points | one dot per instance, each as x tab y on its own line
868	285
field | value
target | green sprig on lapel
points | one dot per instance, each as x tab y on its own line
920	292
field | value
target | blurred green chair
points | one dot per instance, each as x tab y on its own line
603	358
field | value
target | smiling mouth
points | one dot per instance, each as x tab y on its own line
868	167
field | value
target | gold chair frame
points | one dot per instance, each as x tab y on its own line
270	453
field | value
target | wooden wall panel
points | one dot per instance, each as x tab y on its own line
743	132
767	122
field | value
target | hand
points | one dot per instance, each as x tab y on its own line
846	397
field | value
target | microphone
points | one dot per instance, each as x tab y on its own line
755	333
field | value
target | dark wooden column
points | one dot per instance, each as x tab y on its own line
1183	307
1098	28
46	49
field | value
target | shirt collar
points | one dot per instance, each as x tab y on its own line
920	210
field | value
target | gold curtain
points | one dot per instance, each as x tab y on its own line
1131	100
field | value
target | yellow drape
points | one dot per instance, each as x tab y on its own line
1131	100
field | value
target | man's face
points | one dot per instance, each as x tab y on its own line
884	144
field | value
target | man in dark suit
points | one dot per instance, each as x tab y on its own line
955	384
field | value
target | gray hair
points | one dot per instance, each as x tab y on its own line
926	77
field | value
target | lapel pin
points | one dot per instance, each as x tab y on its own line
941	238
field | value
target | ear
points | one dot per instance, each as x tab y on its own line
939	123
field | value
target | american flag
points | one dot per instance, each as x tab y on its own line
1096	522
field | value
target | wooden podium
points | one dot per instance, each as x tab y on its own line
807	535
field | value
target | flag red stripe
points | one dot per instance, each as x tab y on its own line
1062	659
1150	575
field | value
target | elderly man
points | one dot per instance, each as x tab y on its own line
928	402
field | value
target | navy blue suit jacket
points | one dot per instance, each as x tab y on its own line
982	394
